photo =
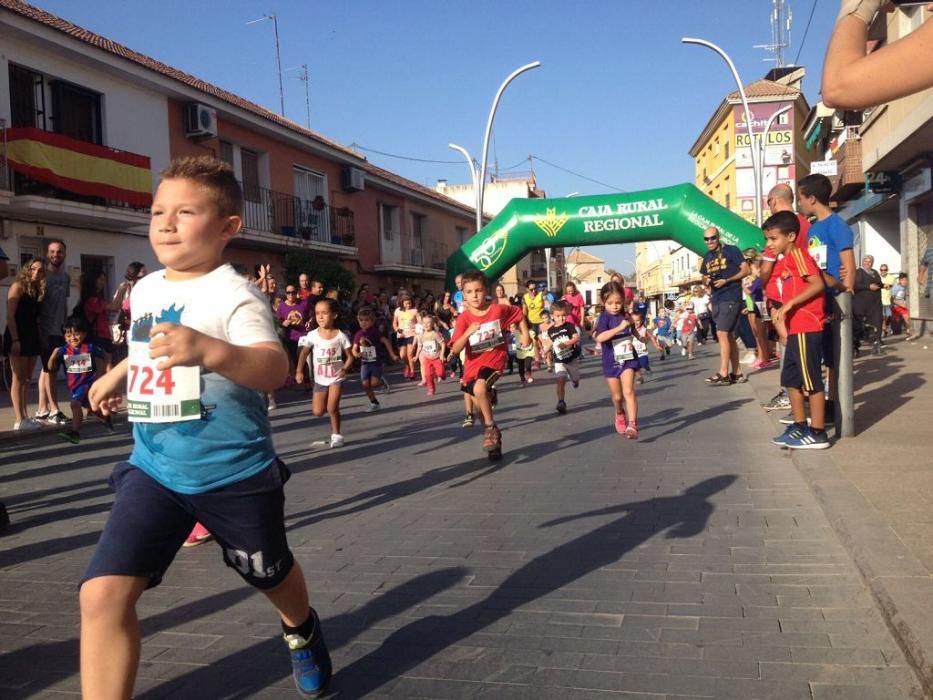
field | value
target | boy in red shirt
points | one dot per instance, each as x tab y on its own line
481	331
801	313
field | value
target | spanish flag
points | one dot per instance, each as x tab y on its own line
80	167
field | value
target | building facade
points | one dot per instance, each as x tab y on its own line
87	125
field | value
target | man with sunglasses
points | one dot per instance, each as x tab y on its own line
723	269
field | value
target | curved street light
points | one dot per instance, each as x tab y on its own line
756	163
492	115
472	163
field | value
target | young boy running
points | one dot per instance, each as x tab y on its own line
84	362
200	332
480	331
565	345
801	313
371	346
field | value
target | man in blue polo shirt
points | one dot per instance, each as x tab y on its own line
723	269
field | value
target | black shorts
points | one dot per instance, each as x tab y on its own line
829	343
149	522
726	315
803	368
487	374
45	352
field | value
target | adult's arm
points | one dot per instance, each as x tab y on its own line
12	304
852	80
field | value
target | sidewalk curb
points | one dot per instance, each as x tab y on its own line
898	581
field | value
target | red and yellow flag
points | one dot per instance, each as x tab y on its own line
80	167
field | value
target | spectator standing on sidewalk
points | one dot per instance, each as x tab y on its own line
900	304
135	271
705	329
887	282
723	269
22	339
831	230
4	273
51	320
866	305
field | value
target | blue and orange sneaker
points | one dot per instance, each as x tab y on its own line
311	665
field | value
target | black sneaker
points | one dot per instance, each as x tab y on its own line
468	420
57	418
72	436
311	664
561	407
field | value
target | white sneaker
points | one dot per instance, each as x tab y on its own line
26	425
683	351
272	405
336	440
385	388
749	358
373	407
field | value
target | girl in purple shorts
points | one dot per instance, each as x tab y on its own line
620	359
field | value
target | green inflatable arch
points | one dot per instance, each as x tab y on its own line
680	213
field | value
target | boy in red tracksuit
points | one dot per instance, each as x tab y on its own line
481	331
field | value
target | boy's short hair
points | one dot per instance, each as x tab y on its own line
475	276
214	175
366	312
784	221
818	186
563	306
75	323
902	275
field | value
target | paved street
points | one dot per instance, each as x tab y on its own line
692	563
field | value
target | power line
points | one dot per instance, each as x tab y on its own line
393	155
576	174
803	40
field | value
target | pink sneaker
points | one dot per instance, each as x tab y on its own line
631	432
422	383
199	535
621	423
431	392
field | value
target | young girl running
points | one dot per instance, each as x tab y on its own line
429	349
332	361
620	361
403	321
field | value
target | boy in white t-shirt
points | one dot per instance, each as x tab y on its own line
203	348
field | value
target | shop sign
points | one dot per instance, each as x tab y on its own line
884	182
829	168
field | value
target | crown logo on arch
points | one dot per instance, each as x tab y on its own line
551	223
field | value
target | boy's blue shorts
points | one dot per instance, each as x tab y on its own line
368	370
149	522
644	362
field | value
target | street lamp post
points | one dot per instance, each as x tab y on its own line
763	140
492	115
756	163
472	163
278	57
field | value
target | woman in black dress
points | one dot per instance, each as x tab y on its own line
21	339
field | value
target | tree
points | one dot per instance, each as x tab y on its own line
326	268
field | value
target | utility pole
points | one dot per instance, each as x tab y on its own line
781	20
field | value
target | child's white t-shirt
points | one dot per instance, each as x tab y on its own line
232	439
326	358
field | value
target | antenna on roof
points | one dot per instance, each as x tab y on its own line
781	20
305	78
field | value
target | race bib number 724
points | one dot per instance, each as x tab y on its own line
160	395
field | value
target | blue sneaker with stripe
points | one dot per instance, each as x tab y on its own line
808	440
311	664
792	432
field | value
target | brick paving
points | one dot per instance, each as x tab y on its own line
695	562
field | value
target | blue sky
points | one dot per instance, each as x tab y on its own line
617	99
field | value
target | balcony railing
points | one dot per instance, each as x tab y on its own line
284	214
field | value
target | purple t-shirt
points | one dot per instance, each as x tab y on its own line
374	337
294	312
605	323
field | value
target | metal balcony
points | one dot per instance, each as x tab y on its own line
269	211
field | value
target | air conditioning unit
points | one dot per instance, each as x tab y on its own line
200	121
354	179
